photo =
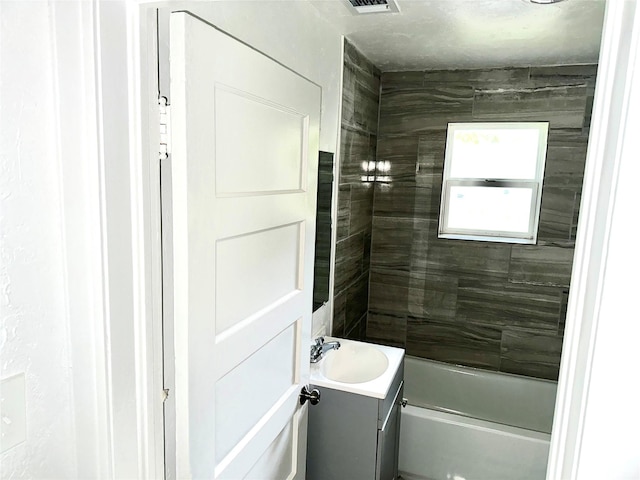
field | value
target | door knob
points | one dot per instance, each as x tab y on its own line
313	396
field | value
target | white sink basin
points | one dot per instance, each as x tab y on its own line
354	362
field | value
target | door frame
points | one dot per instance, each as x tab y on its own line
118	81
589	310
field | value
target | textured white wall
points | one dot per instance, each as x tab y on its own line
34	335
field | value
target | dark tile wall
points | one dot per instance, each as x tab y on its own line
323	230
360	98
491	305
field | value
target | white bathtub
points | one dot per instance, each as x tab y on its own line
469	424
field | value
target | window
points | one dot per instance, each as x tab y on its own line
492	182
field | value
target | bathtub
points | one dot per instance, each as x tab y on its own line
468	424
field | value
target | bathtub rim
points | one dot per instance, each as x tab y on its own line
518	390
481	371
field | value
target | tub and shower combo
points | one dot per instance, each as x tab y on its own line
469	424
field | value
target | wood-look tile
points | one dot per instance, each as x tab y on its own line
398	152
343	220
391	242
431	149
359	101
387	329
501	304
562	315
362	192
533	354
366	255
434	297
355	58
568	137
361	209
427	199
562	107
361	82
425	231
564	166
358	330
362	336
361	87
320	283
389	276
576	213
489	76
388	298
562	75
468	258
339	314
408	111
348	265
325	192
541	265
460	344
396	199
355	155
325	168
556	214
322	250
459	296
357	301
588	111
401	79
365	74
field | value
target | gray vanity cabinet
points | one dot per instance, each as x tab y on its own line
354	436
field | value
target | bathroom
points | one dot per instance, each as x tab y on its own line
494	307
81	271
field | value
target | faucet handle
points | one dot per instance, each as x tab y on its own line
319	341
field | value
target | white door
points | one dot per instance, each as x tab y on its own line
244	172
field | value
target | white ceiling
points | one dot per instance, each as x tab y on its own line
436	34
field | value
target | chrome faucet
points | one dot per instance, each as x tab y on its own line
320	348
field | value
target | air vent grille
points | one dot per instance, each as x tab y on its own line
372	6
365	3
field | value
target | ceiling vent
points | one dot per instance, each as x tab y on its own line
372	6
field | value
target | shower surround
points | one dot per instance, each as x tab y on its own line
482	304
491	305
358	139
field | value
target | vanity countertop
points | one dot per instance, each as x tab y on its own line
377	388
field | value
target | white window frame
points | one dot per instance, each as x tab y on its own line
448	182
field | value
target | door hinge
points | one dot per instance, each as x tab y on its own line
165	128
165	394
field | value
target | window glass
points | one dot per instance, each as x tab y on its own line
490	208
492	182
495	153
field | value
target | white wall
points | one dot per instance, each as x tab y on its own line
34	331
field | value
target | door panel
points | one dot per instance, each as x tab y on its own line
244	173
251	154
241	404
259	268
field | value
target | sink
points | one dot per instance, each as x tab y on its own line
354	362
